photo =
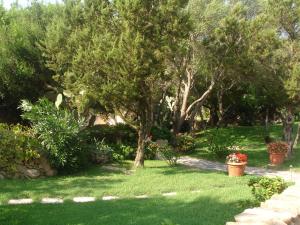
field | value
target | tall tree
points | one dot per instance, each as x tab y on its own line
285	15
116	54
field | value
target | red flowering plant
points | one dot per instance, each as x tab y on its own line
237	158
278	147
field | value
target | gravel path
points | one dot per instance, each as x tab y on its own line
217	166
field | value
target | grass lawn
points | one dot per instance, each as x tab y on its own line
218	200
251	139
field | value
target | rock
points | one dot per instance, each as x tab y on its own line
20	201
264	215
52	200
44	163
84	199
2	176
108	198
32	173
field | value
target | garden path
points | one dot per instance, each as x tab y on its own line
288	175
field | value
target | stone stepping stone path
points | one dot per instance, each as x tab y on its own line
282	209
52	201
20	201
141	196
84	199
108	198
169	194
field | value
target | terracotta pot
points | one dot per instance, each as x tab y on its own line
236	169
277	158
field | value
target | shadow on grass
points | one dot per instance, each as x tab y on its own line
183	211
92	178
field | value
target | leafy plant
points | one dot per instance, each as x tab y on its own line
17	146
263	188
168	153
185	143
161	133
58	130
278	147
101	152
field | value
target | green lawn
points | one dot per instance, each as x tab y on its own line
251	139
219	199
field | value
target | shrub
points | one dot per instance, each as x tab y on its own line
278	147
117	134
101	152
166	152
219	150
185	143
158	133
263	188
58	130
17	146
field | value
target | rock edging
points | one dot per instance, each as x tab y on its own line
281	209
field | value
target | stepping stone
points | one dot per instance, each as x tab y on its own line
52	200
20	201
263	215
84	199
108	198
141	196
169	194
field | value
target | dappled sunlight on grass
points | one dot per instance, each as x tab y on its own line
204	208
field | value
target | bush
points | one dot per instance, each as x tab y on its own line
118	134
219	150
185	143
166	152
263	188
58	130
158	133
17	146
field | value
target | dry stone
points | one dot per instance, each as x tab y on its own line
20	201
264	215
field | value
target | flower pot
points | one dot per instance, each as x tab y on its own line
277	158
236	169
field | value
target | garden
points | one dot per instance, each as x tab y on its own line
174	112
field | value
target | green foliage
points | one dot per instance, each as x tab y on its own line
117	134
218	146
185	143
58	130
263	188
102	153
22	69
168	153
161	133
17	146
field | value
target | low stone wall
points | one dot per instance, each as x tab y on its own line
34	169
282	209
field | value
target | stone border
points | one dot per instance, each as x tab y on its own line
282	209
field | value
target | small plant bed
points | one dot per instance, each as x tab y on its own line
246	139
196	201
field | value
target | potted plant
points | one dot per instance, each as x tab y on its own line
236	164
277	151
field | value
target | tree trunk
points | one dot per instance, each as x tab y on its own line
142	136
297	137
288	131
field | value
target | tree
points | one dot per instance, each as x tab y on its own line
115	53
22	70
285	16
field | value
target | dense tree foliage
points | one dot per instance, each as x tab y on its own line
166	62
